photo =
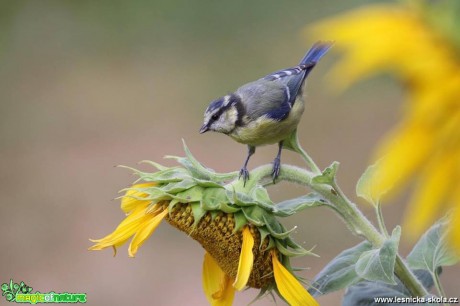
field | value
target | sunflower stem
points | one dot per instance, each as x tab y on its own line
346	209
292	143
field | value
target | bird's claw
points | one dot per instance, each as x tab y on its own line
245	174
276	169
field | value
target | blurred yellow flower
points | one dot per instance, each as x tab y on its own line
425	145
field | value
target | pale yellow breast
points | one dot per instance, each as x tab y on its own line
267	131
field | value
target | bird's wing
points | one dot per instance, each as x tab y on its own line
265	98
281	112
292	77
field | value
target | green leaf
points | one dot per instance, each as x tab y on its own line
254	214
239	198
154	194
207	183
263	234
271	244
212	198
174	174
291	142
378	264
214	214
176	187
272	225
432	250
198	213
365	186
365	292
196	167
240	221
154	164
275	228
201	172
171	205
194	194
328	175
290	207
340	272
289	252
260	195
228	208
261	198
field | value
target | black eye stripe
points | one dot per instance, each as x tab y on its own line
218	107
217	114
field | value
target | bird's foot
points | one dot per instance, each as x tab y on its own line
276	169
245	174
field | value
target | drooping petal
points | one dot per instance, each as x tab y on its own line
131	198
145	232
289	287
124	230
246	260
217	285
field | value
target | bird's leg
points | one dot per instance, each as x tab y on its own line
244	171
277	162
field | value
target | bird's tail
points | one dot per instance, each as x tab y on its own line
316	52
297	75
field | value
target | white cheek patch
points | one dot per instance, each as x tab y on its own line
232	115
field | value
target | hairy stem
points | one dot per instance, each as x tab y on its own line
308	160
347	210
292	143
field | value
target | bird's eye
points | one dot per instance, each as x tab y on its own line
215	117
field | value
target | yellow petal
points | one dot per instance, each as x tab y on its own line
124	230
372	29
131	198
434	185
145	232
289	287
404	151
217	285
246	260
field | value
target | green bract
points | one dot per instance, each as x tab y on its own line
208	191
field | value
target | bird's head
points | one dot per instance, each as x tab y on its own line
222	115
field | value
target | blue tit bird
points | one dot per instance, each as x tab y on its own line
265	111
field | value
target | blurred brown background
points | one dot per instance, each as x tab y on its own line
86	85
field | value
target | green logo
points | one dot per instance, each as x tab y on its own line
21	293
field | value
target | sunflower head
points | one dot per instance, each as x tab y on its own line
245	243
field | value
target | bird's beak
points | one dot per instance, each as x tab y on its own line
204	128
